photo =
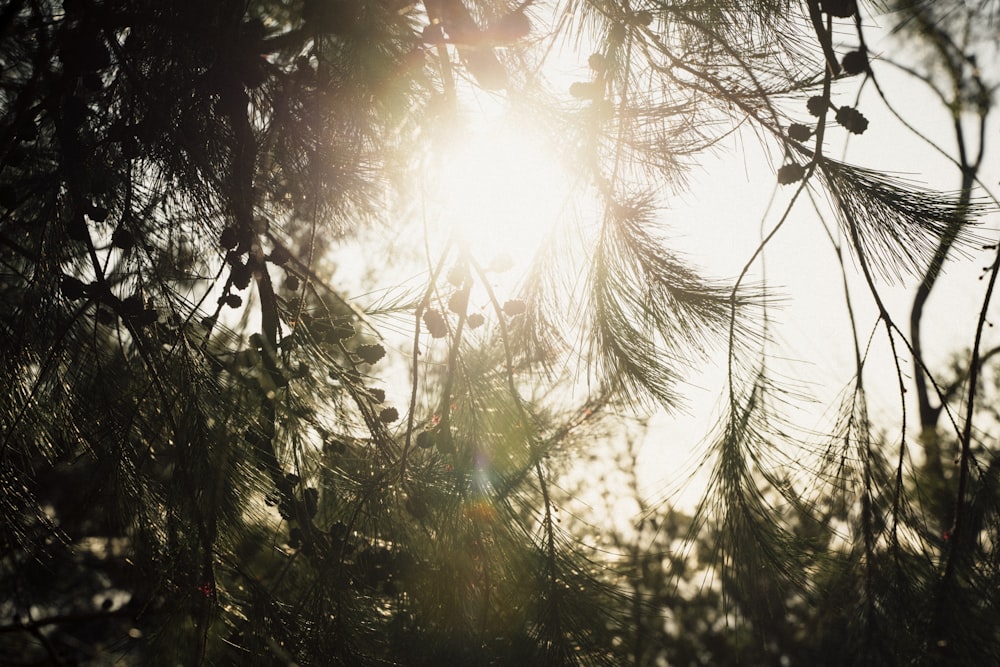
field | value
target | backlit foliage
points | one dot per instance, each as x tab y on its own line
212	451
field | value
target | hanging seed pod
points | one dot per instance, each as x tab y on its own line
292	283
279	256
790	173
147	317
458	302
514	307
799	132
475	320
388	415
817	105
97	213
842	9
131	306
855	62
852	120
342	329
241	275
334	446
435	323
247	240
229	238
73	288
378	395
122	238
643	18
425	439
233	300
457	275
432	34
370	354
509	28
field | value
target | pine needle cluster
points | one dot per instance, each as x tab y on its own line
210	453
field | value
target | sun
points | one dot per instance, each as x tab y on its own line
499	188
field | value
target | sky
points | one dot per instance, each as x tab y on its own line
811	322
498	187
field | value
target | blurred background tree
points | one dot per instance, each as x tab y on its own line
213	454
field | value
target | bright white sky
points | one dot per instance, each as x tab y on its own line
501	190
813	321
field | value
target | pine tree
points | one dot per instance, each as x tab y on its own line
205	457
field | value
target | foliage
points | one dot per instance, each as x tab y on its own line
211	453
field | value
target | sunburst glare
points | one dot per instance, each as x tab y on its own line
497	188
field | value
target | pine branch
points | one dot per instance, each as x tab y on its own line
645	338
898	228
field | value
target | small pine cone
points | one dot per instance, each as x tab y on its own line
370	354
458	302
425	439
435	323
842	9
73	288
855	62
514	307
122	238
852	120
799	132
279	255
817	105
229	238
790	173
